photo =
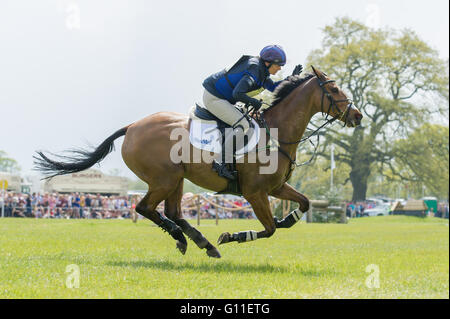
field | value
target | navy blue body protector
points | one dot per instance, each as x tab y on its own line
248	74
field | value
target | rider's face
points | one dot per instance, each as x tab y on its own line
274	69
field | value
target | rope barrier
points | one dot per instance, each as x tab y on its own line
236	207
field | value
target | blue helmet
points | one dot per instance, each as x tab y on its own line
274	54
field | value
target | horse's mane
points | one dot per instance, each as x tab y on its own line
287	86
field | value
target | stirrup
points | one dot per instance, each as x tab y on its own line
223	171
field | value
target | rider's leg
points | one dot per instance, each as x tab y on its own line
230	134
224	110
228	113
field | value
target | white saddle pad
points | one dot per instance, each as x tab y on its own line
206	136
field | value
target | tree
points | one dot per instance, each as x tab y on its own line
8	164
315	183
390	75
424	158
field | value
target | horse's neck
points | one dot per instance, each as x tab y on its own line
292	115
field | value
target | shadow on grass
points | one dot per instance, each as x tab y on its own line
223	267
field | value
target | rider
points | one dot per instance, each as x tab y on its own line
247	77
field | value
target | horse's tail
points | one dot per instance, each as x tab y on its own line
79	159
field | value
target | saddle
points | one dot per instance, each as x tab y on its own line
204	114
204	134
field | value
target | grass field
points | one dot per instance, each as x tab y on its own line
119	259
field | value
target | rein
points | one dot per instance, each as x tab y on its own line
339	116
293	162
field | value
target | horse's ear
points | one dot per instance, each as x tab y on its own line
318	73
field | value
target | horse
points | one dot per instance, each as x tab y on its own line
146	151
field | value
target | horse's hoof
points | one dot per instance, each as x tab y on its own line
181	247
224	238
213	252
179	237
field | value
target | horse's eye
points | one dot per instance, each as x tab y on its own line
335	90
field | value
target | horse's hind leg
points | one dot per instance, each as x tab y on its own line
147	208
172	209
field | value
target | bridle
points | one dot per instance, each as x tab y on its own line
333	106
333	103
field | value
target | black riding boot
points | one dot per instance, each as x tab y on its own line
223	170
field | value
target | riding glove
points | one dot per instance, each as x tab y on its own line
297	70
256	104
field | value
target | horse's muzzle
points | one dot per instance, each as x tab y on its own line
358	118
355	120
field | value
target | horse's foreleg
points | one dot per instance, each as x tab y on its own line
261	207
287	192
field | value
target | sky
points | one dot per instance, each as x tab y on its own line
72	72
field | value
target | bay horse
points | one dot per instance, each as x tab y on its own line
147	145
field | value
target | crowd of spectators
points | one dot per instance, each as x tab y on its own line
96	206
357	209
72	205
231	210
442	210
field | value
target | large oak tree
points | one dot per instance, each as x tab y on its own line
395	79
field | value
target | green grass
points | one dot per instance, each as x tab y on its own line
119	259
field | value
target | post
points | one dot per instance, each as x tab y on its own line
217	211
3	187
3	202
271	204
343	219
198	210
309	214
286	207
333	166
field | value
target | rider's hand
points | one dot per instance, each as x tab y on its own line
256	104
297	70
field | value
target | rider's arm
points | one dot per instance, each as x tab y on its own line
245	85
270	85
